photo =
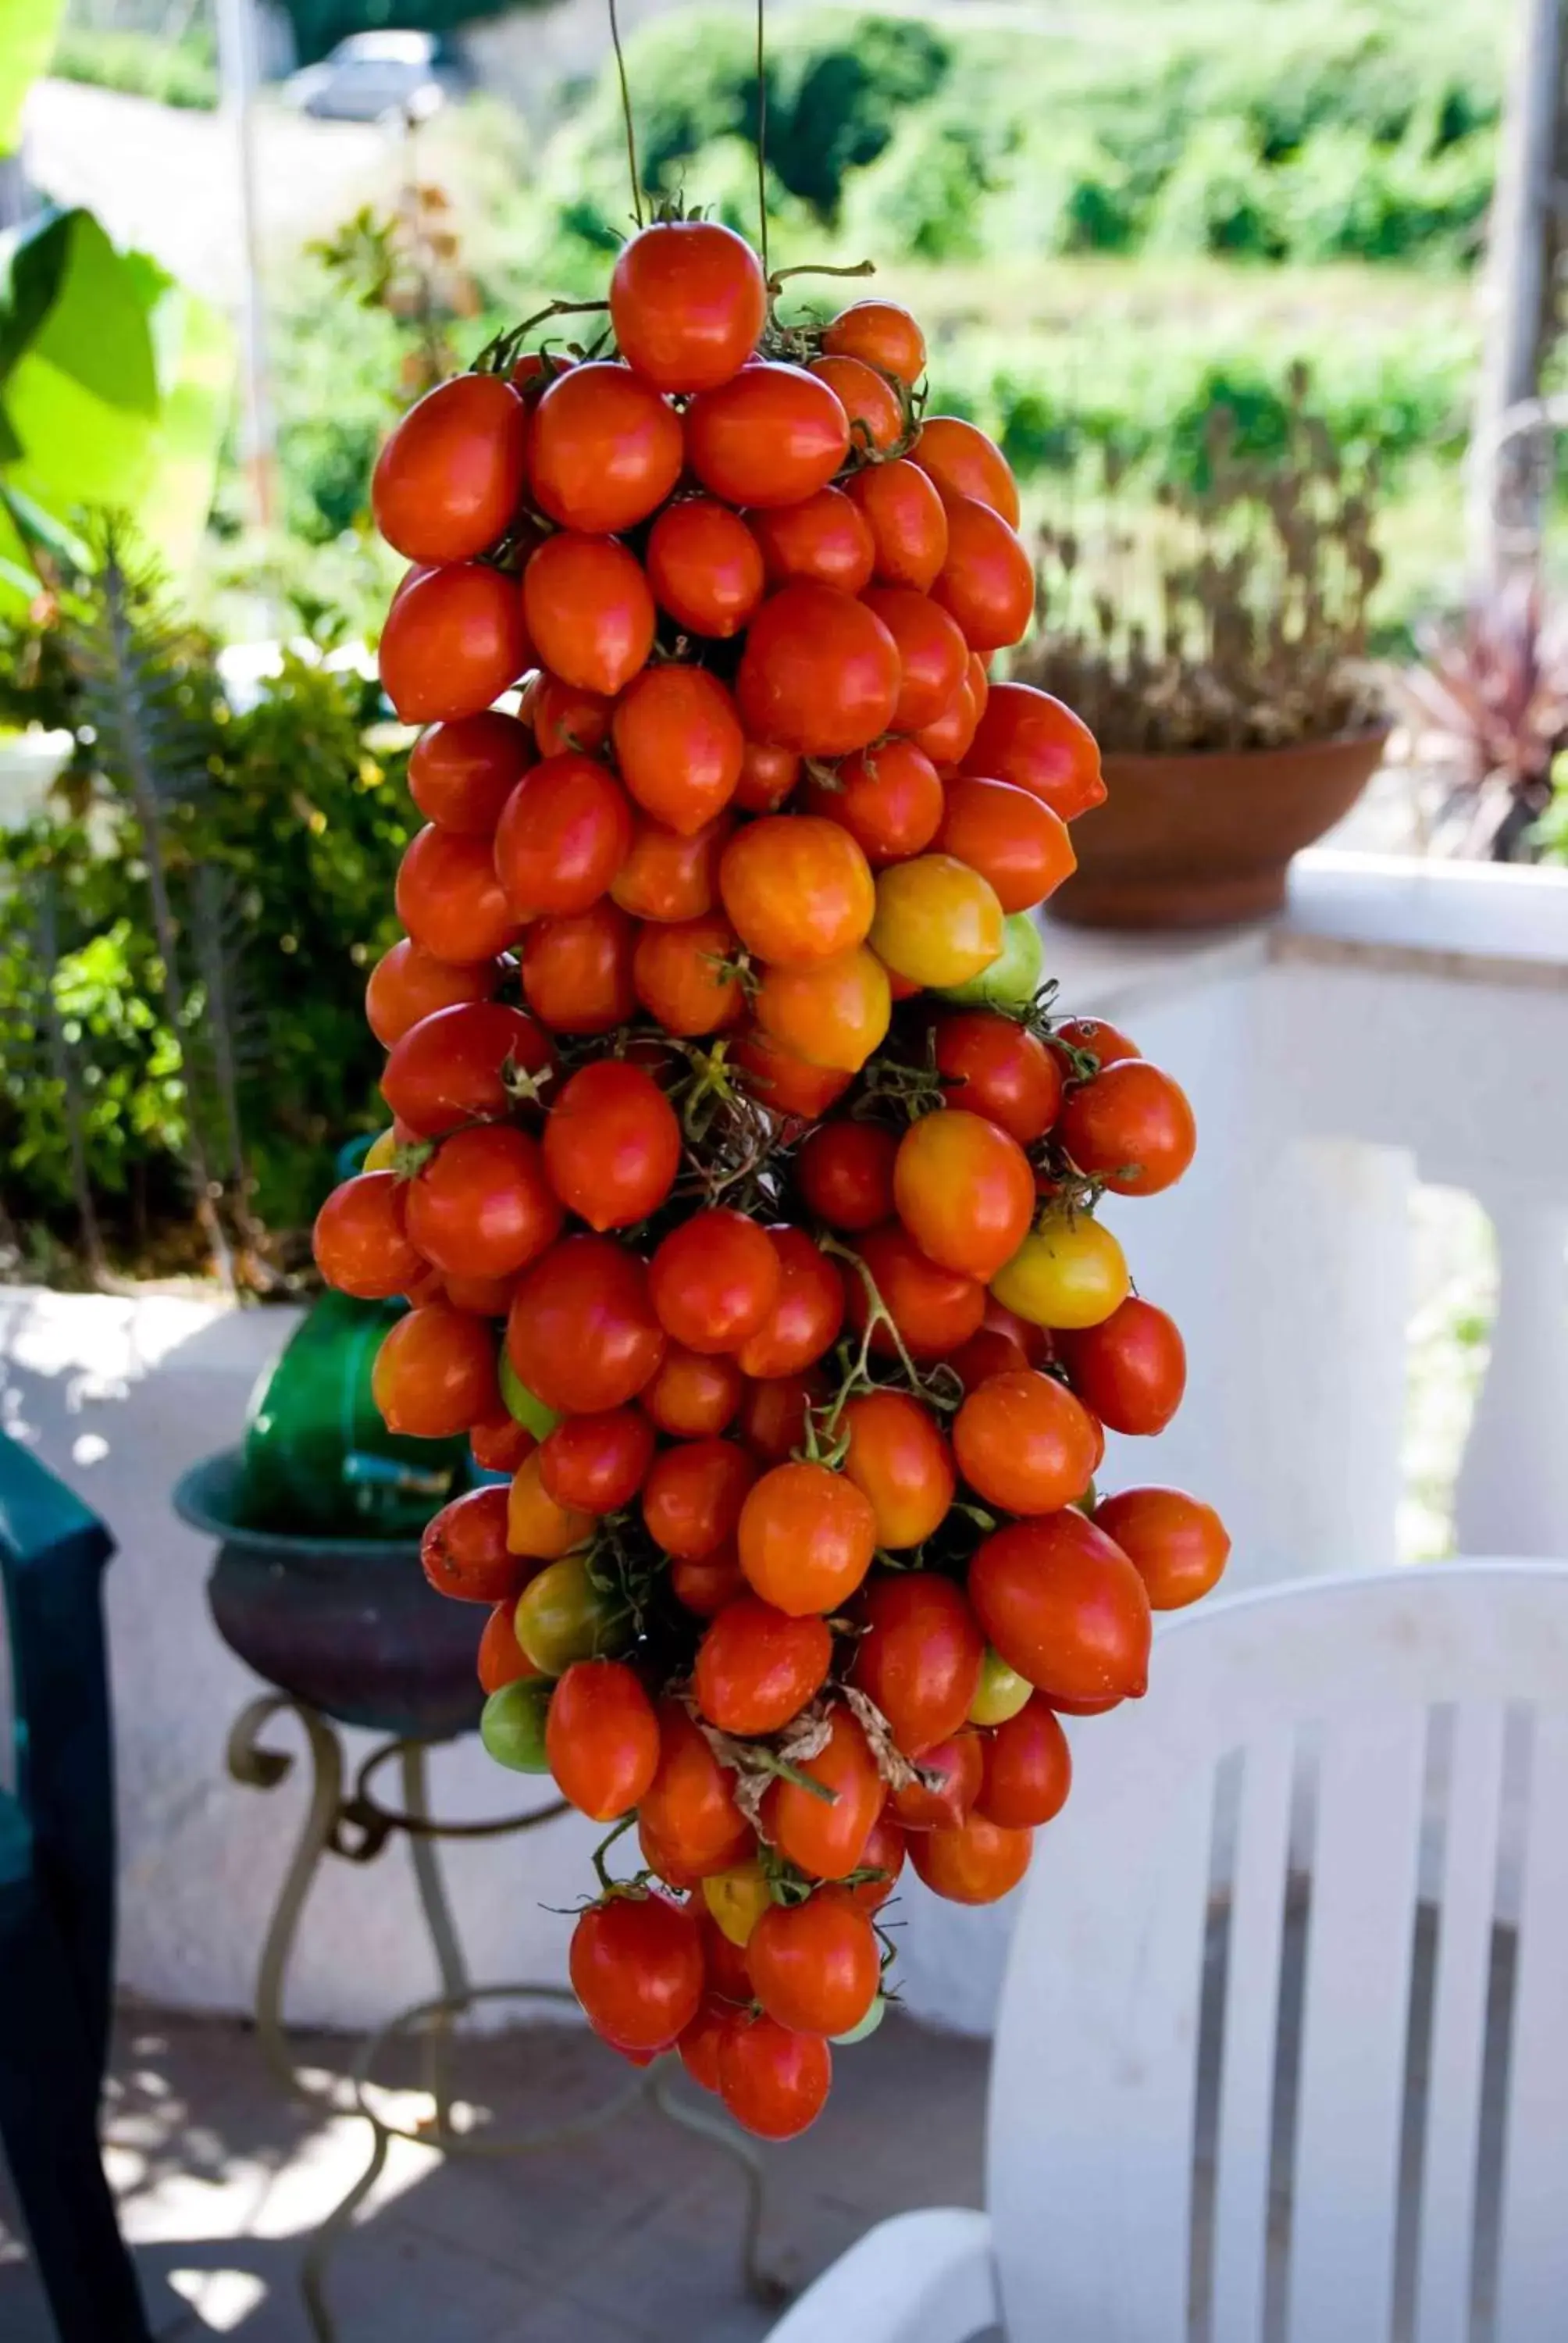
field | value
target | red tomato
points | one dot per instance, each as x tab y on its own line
502	1659
768	776
881	335
920	1656
986	583
500	1444
361	1239
934	1309
488	1297
612	1145
1178	1546
715	1281
699	2045
407	983
482	1207
876	411
706	1584
1064	1606
601	1737
589	611
826	539
815	1966
771	435
964	1190
692	1396
995	1067
889	799
565	717
687	303
689	1805
666	877
597	1463
785	1082
576	970
898	1458
832	1012
435	1373
965	464
988	1353
565	833
636	1966
728	1974
828	1839
955	1768
774	2083
885	1852
454	639
819	672
460	775
806	1538
978	1863
1104	1041
449	897
1131	1369
979	682
933	658
447	482
581	1333
1010	836
845	1173
705	567
908	521
946	740
692	1497
804	1321
604	450
461	1064
1027	738
684	975
772	1418
756	1667
1131	1127
464	1553
678	744
1028	1770
1024	1444
797	888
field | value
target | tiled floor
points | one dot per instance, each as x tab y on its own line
627	2235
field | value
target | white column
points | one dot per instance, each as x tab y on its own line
1513	1492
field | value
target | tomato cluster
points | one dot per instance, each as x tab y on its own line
741	1186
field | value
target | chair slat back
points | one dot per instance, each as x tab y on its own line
1326	1708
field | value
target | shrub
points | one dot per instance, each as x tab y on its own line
142	64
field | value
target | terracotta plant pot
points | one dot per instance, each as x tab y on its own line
1205	840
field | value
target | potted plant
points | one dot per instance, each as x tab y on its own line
1216	647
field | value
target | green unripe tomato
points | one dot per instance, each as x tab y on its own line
520	1403
562	1616
512	1724
1013	978
867	2026
1000	1692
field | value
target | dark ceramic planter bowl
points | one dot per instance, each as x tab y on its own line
350	1625
1206	840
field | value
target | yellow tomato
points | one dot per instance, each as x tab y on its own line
1070	1271
737	1899
937	922
1000	1692
381	1155
831	1012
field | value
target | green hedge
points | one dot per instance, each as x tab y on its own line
140	64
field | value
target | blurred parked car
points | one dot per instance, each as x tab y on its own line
371	75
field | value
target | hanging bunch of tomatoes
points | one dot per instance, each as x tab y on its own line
741	1184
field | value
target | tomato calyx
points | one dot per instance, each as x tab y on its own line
500	355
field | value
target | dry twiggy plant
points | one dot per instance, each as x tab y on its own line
1232	616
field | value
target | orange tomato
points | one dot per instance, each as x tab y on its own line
964	462
978	1862
1023	1443
797	888
589	611
882	335
1011	837
964	1190
897	1457
1178	1546
828	1839
832	1012
806	1538
678	745
875	412
683	975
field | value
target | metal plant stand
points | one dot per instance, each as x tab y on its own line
358	1827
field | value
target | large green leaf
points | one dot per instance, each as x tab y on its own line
114	386
29	28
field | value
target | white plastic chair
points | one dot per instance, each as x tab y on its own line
1218	2108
